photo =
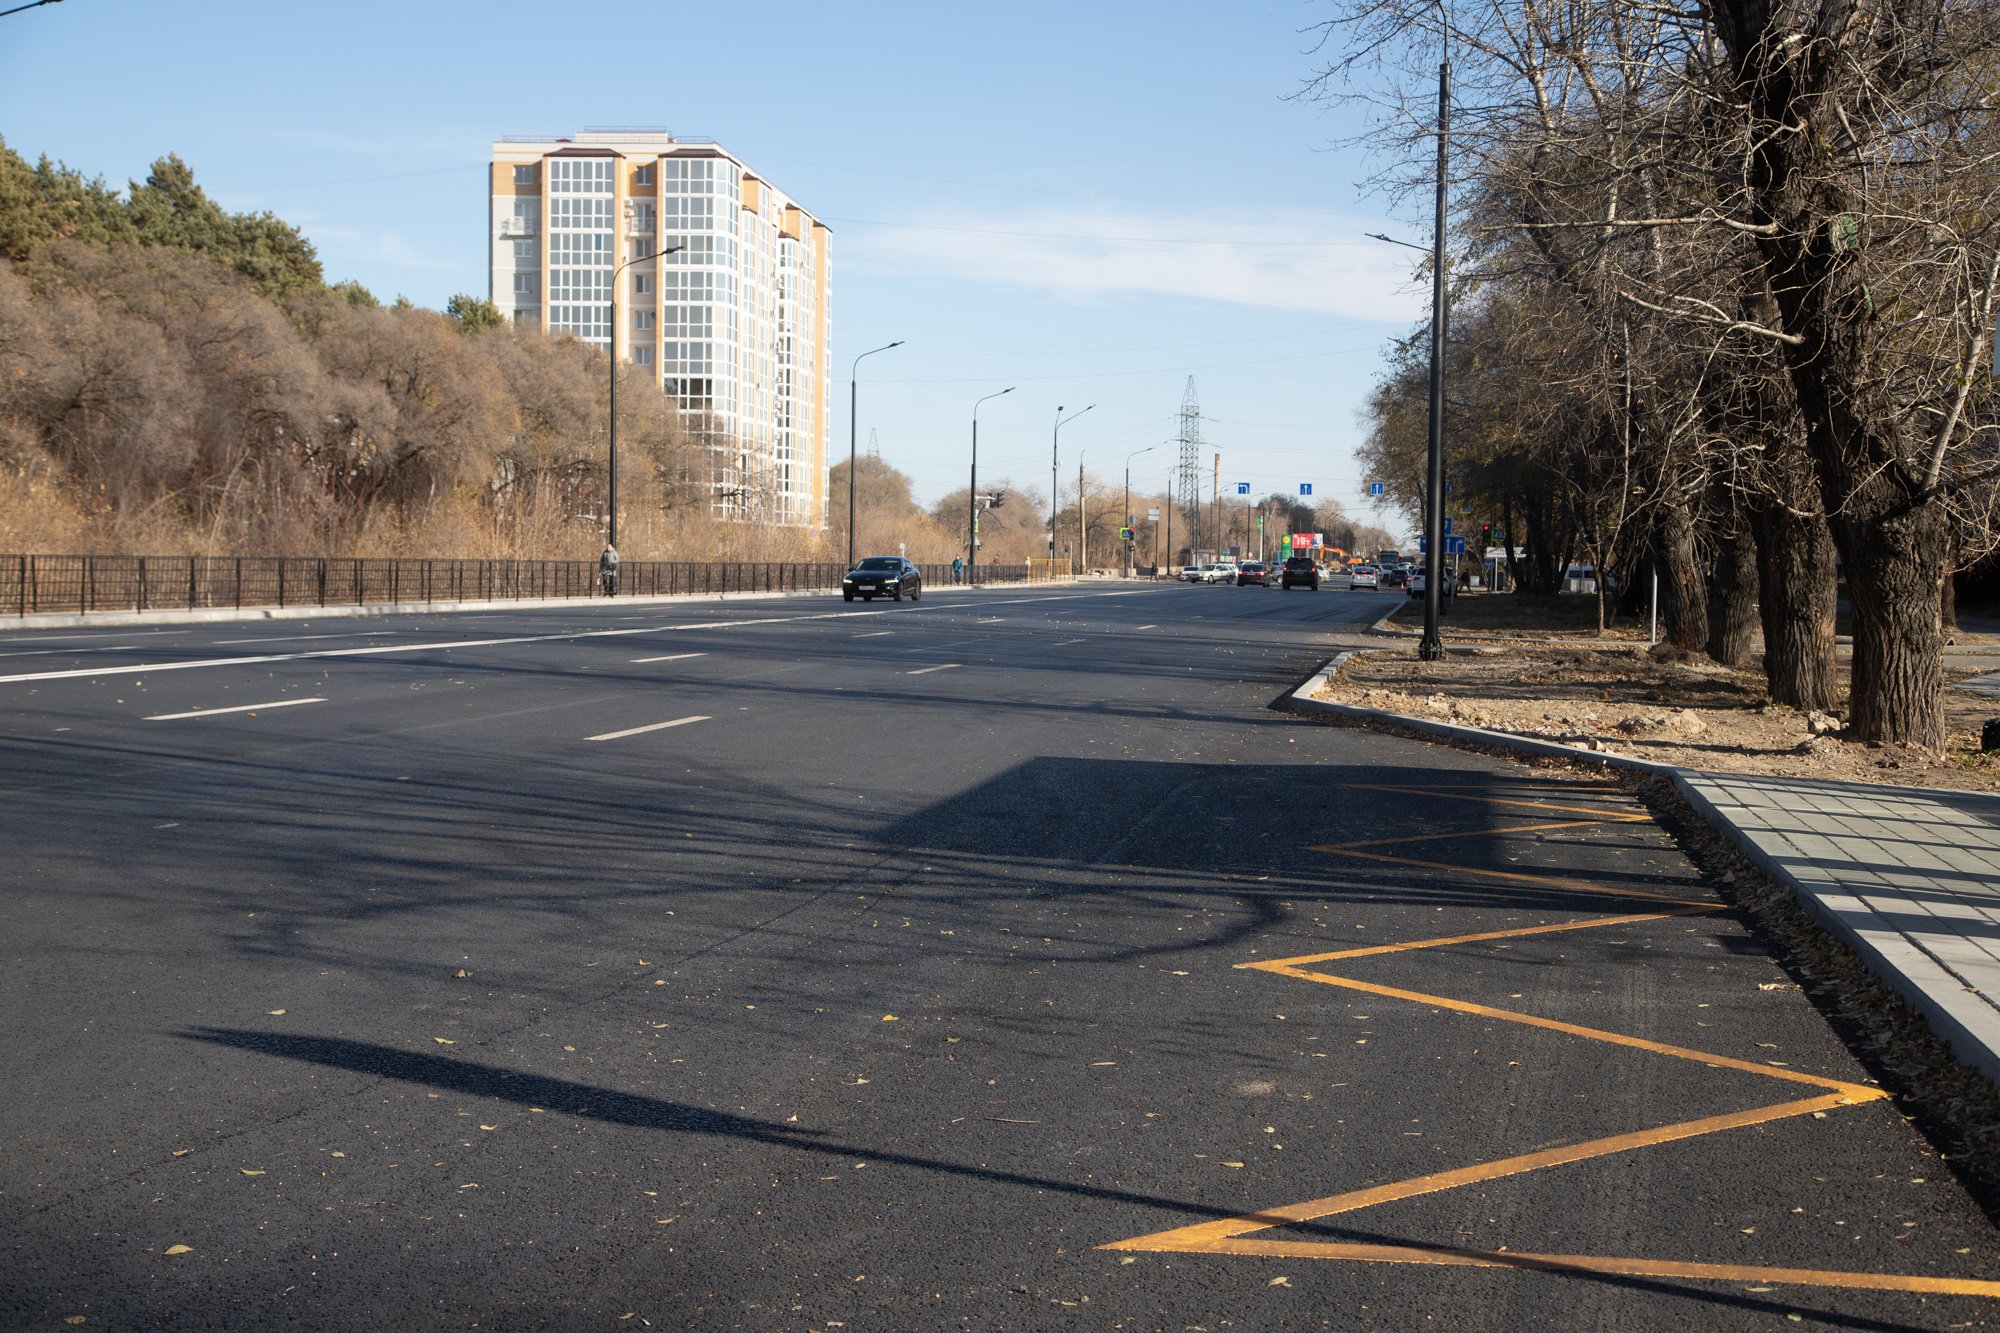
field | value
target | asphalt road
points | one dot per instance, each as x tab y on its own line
1001	960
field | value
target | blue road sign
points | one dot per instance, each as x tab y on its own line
1454	546
1375	488
1447	527
1305	488
1243	488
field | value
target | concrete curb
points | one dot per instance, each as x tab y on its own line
1972	1032
1302	699
227	614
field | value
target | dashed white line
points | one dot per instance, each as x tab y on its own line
670	657
305	638
657	726
874	634
240	708
1135	631
1065	643
925	671
45	652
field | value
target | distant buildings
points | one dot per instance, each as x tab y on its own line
735	322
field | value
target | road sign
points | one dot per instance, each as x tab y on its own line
1447	525
1305	488
1243	488
1153	514
1375	489
1452	546
1125	534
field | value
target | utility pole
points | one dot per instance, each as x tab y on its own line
1216	504
1082	532
1431	648
1157	562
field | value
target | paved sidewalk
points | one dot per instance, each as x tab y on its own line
1909	876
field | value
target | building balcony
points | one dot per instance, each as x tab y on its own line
512	229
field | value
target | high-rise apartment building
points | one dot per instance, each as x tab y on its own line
734	322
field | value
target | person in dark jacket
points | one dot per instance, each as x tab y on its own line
607	570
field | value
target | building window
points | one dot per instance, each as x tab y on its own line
642	284
642	356
524	284
643	175
642	321
524	174
524	249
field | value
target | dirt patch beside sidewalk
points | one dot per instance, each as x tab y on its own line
1622	699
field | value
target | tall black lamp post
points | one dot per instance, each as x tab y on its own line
611	522
1431	647
1055	459
1128	500
972	494
852	409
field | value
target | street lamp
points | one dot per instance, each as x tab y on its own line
611	522
972	495
852	400
1055	458
1128	502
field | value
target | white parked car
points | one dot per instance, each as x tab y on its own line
1191	573
1363	576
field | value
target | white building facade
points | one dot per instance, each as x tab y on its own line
734	322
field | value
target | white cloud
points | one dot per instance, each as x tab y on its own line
1311	262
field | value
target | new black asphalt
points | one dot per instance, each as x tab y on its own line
914	965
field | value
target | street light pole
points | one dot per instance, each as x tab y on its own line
1128	500
1431	648
972	495
1055	458
853	399
611	490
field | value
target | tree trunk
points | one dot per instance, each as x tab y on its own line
1683	597
1798	84
1795	580
1732	618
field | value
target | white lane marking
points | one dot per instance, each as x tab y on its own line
657	726
672	657
148	668
57	652
306	638
1065	643
925	671
874	634
1145	627
240	708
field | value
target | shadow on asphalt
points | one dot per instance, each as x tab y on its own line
610	1106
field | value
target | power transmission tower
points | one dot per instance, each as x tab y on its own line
874	446
1190	469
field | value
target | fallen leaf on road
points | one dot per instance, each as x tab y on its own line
181	1152
462	974
1233	1165
888	1018
444	1041
248	1172
179	1249
1280	1281
275	1013
489	1126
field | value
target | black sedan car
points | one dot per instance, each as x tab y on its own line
1301	571
882	576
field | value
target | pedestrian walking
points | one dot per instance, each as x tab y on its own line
958	569
607	570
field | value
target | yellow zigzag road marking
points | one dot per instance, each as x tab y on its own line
1237	1235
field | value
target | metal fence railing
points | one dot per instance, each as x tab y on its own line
56	583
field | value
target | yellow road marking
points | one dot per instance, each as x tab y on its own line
1237	1235
1206	1237
1452	794
1463	833
1368	951
1547	881
1855	1092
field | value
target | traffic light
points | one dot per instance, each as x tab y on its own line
1485	534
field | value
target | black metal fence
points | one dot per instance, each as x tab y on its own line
58	583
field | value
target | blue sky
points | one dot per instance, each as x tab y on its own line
1089	201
